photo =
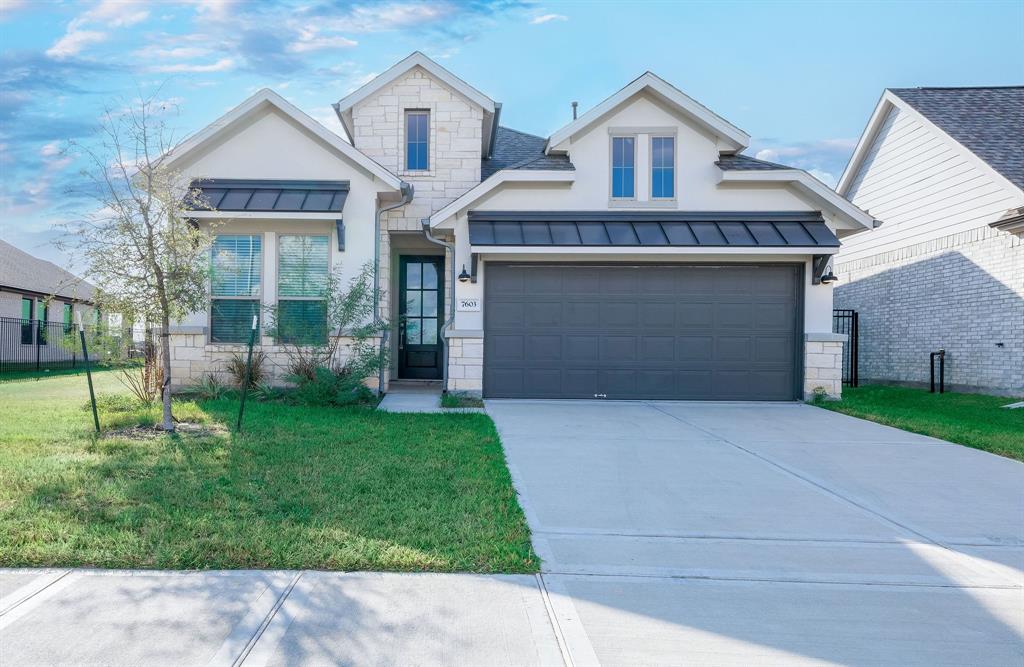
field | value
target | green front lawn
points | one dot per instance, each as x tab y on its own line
302	487
974	420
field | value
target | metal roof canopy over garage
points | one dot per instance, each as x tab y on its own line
650	228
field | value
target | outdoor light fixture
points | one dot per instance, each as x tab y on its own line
829	278
464	276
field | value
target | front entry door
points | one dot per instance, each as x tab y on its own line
420	305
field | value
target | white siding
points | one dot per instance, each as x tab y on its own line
921	185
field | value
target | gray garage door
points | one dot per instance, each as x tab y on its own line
642	332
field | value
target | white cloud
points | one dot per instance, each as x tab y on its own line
178	52
221	65
50	149
768	154
392	16
546	18
109	14
310	40
72	43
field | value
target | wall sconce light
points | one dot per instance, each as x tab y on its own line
464	276
829	278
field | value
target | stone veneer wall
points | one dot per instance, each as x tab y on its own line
466	364
823	365
456	136
192	358
963	293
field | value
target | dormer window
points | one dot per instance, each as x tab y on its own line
623	167
417	140
663	167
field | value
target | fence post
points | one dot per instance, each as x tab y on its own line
38	340
88	373
248	373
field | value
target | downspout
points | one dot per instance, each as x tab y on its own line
407	193
451	301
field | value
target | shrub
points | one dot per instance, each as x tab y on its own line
338	386
236	368
145	381
209	387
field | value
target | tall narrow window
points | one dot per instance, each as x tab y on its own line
68	317
623	167
42	315
417	140
663	167
26	320
236	266
302	267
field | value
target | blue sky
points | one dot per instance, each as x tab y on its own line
801	78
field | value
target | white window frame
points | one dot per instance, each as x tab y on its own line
675	166
258	298
612	136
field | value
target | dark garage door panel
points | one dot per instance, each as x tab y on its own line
671	332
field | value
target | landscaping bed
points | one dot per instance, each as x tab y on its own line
339	488
974	420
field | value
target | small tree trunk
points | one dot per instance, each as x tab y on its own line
165	354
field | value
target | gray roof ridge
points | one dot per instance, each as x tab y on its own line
755	159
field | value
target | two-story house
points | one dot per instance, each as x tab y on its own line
634	253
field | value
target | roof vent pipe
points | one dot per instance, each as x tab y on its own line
574	105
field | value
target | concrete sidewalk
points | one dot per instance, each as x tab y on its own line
71	617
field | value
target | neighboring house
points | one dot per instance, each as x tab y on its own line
634	253
942	169
32	289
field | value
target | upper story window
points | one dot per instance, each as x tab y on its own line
236	267
302	271
417	140
623	167
663	167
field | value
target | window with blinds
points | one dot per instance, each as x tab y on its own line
235	270
302	270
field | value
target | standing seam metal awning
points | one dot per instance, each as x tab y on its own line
277	196
650	228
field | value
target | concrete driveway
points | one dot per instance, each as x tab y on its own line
717	533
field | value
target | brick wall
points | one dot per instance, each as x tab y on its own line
962	292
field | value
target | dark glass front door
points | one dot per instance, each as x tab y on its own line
420	308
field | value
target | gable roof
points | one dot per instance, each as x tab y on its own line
518	150
261	100
987	122
343	107
20	270
735	138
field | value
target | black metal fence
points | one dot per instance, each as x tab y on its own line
845	321
31	345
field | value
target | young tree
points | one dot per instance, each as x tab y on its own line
147	259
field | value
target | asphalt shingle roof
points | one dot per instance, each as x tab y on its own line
518	150
989	122
728	162
21	270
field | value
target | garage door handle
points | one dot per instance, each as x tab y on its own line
600	395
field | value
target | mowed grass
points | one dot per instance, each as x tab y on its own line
302	487
973	420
